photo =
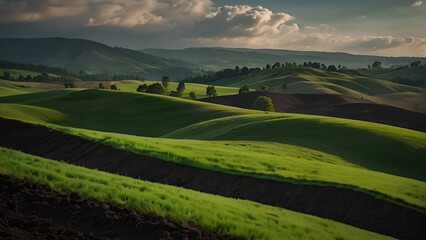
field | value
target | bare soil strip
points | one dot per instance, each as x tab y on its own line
32	211
330	105
344	205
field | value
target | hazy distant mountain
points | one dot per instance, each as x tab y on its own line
219	58
92	57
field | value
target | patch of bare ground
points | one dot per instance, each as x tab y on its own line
32	211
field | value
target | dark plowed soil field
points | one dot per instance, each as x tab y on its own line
341	204
330	105
31	211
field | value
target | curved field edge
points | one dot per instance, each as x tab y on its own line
266	160
225	215
377	147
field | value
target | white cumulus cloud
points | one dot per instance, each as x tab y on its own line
417	3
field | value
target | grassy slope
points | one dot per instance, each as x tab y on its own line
283	162
225	215
199	89
310	80
306	147
375	146
137	114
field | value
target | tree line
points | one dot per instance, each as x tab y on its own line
245	71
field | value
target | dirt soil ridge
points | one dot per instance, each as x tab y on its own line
33	211
340	204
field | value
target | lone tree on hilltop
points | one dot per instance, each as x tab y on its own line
156	88
192	95
264	103
101	86
211	91
165	81
377	64
244	89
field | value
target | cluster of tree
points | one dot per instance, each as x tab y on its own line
264	103
156	88
38	78
245	71
378	64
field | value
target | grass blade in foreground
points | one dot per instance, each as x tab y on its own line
225	215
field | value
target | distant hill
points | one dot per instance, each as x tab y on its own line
310	80
219	58
92	57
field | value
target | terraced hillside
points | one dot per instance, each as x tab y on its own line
377	163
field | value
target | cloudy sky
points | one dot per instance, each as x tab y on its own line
382	27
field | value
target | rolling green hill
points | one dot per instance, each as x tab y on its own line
93	57
374	157
134	113
309	80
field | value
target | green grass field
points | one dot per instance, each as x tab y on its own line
290	147
282	162
235	217
133	113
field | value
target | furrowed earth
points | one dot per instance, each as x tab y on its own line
33	211
340	204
